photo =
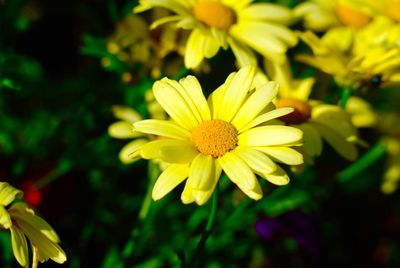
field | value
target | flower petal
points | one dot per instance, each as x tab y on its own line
312	140
174	103
279	177
240	174
267	12
131	151
171	177
19	246
270	136
193	57
244	55
195	94
8	193
170	151
266	117
122	130
235	93
255	104
256	160
125	113
5	220
201	172
339	143
162	128
284	155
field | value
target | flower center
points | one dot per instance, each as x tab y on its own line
351	17
215	137
215	14
394	10
301	113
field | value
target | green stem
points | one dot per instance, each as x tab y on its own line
207	231
376	152
346	93
132	244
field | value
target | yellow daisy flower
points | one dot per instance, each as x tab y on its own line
224	133
317	120
23	223
359	60
242	26
321	15
123	129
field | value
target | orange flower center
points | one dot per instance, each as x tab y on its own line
394	10
351	17
215	137
301	113
215	14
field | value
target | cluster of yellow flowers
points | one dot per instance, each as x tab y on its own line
249	124
23	223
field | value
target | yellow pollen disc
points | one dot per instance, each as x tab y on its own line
215	137
351	17
394	10
301	113
215	14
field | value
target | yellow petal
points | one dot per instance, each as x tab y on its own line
270	136
201	172
193	57
47	248
21	212
240	174
244	55
312	140
235	93
171	177
257	161
279	177
125	113
267	117
170	151
19	246
8	193
174	104
131	152
255	104
5	220
162	128
267	12
339	143
284	155
187	196
194	93
122	130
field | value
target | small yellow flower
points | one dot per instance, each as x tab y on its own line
317	120
23	223
225	132
321	15
242	26
369	58
123	129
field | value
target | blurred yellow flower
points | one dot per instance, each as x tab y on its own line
317	120
133	42
224	132
369	58
23	223
389	125
242	26
321	15
361	112
123	129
